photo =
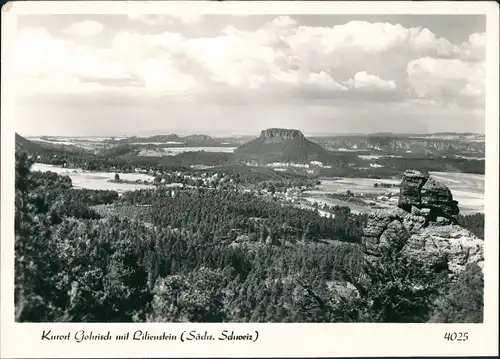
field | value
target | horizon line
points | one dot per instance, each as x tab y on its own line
235	134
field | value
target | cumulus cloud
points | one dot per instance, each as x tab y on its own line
49	64
358	60
162	19
367	37
187	18
149	19
84	28
325	80
446	79
364	80
475	48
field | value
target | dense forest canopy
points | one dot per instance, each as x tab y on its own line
210	255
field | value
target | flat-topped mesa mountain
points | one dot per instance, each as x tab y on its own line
286	145
199	138
275	135
423	228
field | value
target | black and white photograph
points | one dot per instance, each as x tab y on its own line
249	168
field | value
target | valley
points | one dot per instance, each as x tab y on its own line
248	166
375	156
287	153
276	216
95	180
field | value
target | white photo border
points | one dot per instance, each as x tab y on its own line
22	340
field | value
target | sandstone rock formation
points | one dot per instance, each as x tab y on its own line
436	245
438	198
419	191
423	227
409	190
195	137
289	146
281	134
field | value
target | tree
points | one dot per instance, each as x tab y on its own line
399	289
461	301
158	257
195	297
117	177
126	283
259	314
39	295
306	234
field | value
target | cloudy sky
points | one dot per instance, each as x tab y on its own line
220	74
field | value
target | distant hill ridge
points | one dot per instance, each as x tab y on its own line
198	138
195	138
23	144
394	144
286	145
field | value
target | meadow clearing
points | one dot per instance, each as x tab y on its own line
97	180
466	188
174	151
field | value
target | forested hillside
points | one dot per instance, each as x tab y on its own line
437	144
210	256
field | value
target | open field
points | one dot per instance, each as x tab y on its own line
174	151
311	197
357	185
467	189
97	180
97	143
320	212
73	140
480	158
87	143
158	143
375	157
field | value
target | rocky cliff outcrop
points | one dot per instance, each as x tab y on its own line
423	228
472	145
280	134
419	191
437	245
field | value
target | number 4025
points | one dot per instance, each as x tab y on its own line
459	337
